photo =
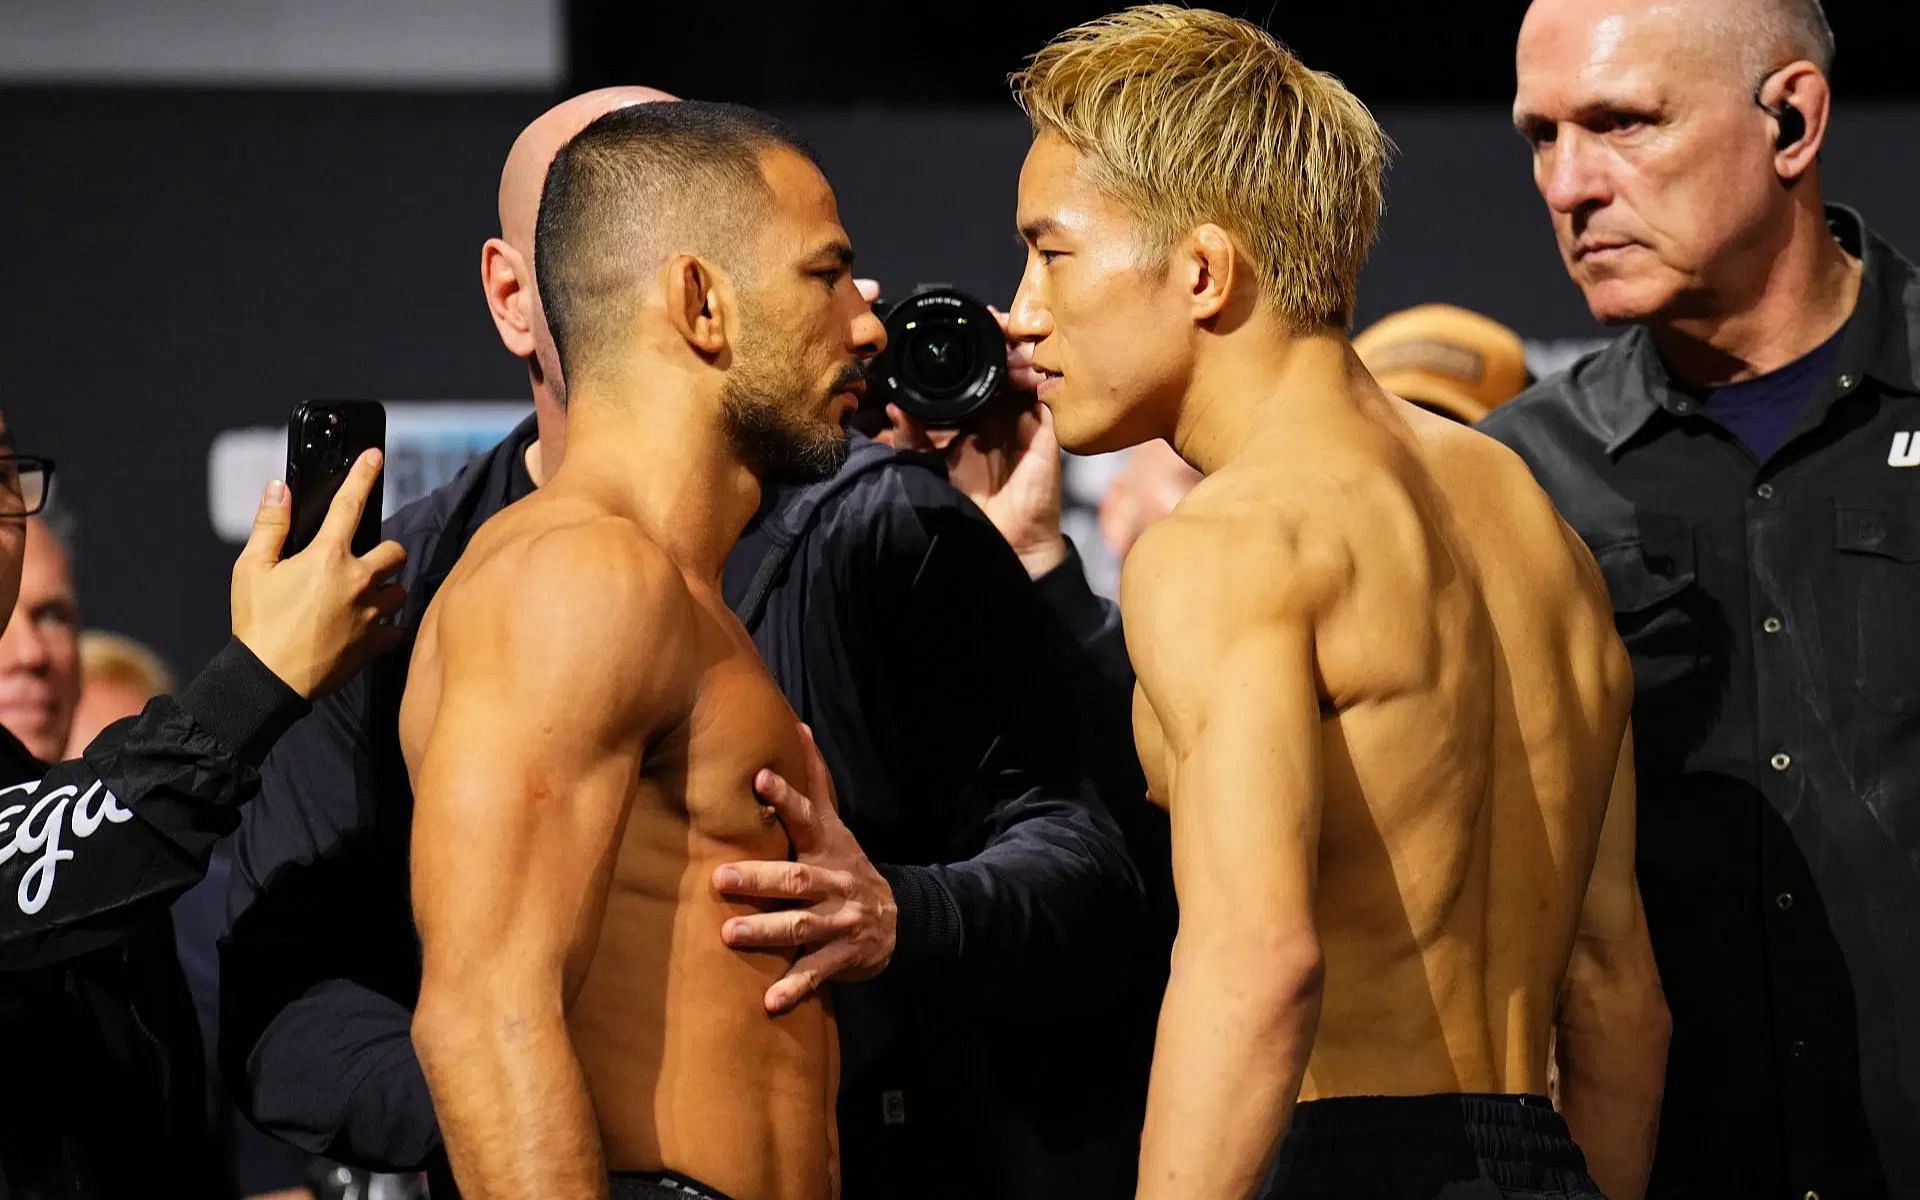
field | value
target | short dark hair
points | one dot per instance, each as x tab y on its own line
638	185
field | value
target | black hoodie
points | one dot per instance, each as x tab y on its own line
105	1094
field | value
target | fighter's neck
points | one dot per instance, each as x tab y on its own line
549	445
1242	392
669	467
1808	292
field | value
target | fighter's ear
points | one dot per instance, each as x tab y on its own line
510	295
698	306
1209	270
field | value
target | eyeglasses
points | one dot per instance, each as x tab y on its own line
25	483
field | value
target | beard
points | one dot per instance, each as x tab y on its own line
766	410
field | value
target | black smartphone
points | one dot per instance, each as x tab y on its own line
324	438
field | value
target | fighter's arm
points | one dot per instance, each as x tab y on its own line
557	666
1611	1040
1222	635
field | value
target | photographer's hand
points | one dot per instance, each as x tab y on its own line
850	919
1007	462
315	619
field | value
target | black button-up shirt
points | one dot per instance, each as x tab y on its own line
1772	609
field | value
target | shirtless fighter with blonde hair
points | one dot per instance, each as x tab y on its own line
1379	685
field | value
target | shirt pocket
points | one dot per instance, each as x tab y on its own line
1877	556
1650	582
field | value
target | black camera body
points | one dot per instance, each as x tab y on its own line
946	357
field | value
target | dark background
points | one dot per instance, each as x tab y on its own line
180	261
862	51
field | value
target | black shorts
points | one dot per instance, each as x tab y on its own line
659	1185
1446	1147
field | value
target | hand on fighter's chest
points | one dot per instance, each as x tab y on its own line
843	912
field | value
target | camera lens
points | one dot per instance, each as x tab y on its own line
945	357
328	441
939	358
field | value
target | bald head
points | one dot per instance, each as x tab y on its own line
507	261
533	151
1749	38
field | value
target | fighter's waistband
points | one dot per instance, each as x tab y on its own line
659	1185
1498	1128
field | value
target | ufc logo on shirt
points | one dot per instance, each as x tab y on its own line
1906	450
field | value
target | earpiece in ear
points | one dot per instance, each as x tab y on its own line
1793	122
1793	126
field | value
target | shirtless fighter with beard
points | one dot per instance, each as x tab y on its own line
1379	685
586	721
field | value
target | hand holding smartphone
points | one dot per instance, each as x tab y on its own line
315	619
324	437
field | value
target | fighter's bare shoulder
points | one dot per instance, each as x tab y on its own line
1518	511
575	598
1232	559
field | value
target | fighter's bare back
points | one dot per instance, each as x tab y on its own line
1472	703
684	1068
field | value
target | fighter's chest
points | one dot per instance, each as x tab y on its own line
1150	741
738	724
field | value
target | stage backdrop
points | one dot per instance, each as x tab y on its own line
187	265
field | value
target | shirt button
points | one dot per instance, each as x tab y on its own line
1771	625
1764	491
1783	901
1683	407
1798	1049
1781	762
1846	381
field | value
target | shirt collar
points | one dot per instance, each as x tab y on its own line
508	470
1880	342
1644	388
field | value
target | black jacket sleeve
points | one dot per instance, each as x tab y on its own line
92	849
973	702
1091	623
320	969
1047	893
1091	647
1101	675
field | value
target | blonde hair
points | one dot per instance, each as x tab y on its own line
1189	116
117	659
